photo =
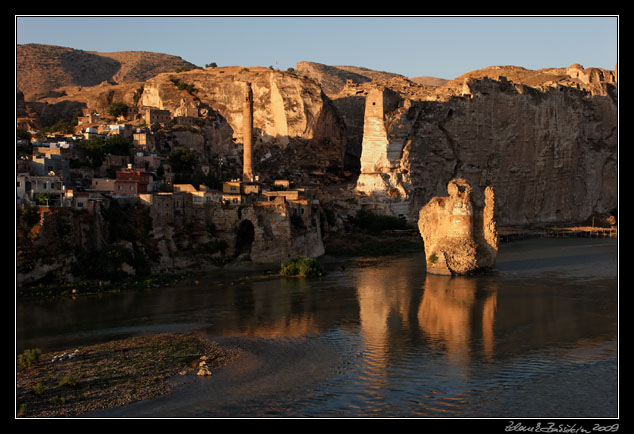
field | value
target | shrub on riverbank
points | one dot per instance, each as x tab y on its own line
302	266
28	357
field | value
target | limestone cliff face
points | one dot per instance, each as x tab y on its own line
288	111
550	152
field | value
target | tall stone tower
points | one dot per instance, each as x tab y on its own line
247	125
381	179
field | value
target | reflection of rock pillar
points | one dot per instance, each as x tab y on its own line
247	116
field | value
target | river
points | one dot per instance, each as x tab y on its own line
377	337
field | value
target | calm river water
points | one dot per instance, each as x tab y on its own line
378	337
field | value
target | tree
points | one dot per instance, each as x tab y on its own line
118	145
182	160
117	109
211	65
96	147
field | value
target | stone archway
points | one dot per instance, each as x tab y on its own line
244	237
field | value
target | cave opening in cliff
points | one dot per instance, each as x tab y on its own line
245	237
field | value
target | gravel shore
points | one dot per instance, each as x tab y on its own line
81	380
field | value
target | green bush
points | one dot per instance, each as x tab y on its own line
68	381
38	389
29	357
302	266
58	400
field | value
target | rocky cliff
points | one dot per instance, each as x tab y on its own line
545	140
294	123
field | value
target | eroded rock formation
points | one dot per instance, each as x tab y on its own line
459	238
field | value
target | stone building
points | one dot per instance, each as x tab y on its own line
156	116
143	140
29	186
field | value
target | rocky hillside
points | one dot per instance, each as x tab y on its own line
45	70
429	81
332	79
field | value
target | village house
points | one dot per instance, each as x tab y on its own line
150	162
113	162
29	186
43	165
23	164
233	192
89	132
63	148
200	196
90	201
131	182
156	116
184	120
143	140
106	185
91	118
131	114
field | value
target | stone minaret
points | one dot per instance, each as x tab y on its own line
247	125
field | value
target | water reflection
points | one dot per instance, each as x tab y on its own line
385	301
380	337
407	309
453	310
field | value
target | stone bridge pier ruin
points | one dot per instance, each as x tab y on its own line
459	238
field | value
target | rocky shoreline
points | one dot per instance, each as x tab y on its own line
78	381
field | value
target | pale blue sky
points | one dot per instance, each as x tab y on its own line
444	47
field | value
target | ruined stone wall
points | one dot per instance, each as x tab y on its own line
184	230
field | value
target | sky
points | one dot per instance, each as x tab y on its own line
436	46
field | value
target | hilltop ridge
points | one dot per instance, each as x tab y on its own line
45	70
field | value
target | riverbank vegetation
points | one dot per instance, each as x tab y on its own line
302	266
90	378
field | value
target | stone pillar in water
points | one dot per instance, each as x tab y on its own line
459	238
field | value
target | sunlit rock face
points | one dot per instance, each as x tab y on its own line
546	140
294	124
459	238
